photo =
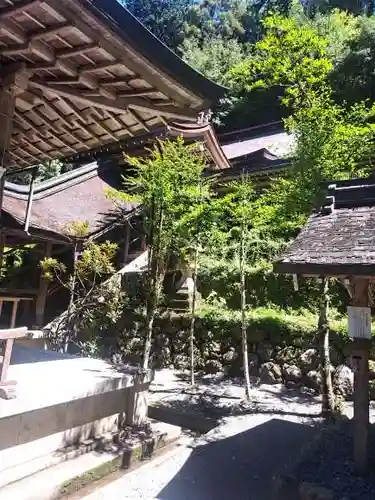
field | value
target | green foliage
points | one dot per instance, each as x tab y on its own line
169	186
290	56
76	229
213	57
331	139
51	268
264	288
164	18
277	326
96	261
46	170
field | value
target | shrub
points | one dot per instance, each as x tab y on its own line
264	287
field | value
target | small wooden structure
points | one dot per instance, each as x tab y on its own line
7	337
339	241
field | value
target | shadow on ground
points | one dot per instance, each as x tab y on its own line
240	467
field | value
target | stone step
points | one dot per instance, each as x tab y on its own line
77	468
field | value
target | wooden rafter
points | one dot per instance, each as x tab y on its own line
22	6
83	82
109	48
52	125
139	119
41	135
119	105
75	51
100	124
53	30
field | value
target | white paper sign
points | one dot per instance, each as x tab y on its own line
359	322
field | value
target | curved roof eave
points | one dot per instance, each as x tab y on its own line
137	35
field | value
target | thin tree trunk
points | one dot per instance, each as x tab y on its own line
148	342
192	320
156	275
328	398
68	334
243	318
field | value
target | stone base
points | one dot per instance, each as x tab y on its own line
8	392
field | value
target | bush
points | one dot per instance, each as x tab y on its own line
271	325
264	287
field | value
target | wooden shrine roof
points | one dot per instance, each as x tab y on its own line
339	239
139	146
89	74
77	196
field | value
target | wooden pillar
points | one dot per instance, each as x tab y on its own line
7	106
14	79
126	242
2	246
359	316
42	293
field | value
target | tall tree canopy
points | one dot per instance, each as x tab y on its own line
164	18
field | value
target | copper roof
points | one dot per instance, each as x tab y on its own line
340	238
88	74
279	144
77	196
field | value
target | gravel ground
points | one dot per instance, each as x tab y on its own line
331	465
239	459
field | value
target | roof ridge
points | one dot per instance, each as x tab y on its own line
50	186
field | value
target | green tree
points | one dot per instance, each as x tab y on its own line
91	262
242	211
164	18
332	141
168	186
213	56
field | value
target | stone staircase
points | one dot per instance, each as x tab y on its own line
180	300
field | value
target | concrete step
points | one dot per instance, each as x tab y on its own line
85	465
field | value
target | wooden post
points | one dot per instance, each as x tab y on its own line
7	107
126	242
359	315
2	246
7	387
42	293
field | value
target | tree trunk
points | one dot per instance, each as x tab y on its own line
70	327
243	319
328	398
192	321
156	273
148	342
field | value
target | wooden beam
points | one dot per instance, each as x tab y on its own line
30	47
99	67
75	51
18	8
12	30
2	246
18	158
7	108
120	105
41	134
51	107
50	31
100	124
64	129
138	93
64	66
360	356
129	57
139	119
87	80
